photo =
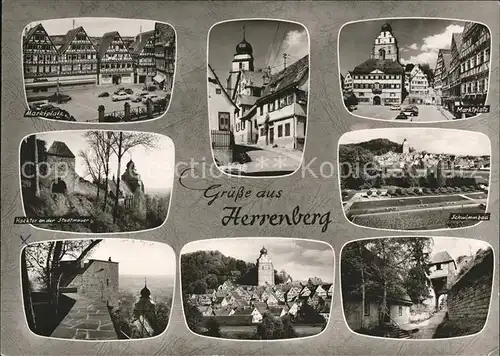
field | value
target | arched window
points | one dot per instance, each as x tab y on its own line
381	53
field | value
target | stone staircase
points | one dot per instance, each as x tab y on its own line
395	332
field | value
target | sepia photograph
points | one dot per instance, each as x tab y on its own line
415	69
258	85
416	287
97	181
257	288
98	289
98	69
414	179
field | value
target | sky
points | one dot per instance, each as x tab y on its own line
269	40
432	140
97	26
301	259
155	166
419	40
457	246
137	257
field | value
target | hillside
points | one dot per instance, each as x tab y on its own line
204	270
377	146
83	203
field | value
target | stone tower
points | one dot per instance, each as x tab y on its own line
406	147
386	45
242	60
135	186
265	268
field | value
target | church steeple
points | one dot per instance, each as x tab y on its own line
265	268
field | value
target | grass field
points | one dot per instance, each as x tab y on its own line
395	202
415	220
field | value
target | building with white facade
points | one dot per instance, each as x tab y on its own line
380	79
417	85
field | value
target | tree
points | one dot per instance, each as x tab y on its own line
100	143
43	260
121	143
199	287
211	281
193	316
390	255
440	179
270	328
288	329
308	315
162	316
28	304
429	73
213	328
93	166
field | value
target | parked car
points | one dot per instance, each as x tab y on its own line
153	97
104	94
138	97
59	98
403	116
119	90
149	88
120	96
396	107
411	110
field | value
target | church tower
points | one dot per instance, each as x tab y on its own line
265	268
386	45
145	323
242	60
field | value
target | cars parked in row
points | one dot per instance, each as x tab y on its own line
120	96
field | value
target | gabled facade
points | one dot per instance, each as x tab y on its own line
40	60
78	59
348	82
164	49
475	63
417	84
440	73
453	77
116	65
143	53
279	116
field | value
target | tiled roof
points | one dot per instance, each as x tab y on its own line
288	77
69	37
441	257
447	58
457	37
247	99
106	40
386	66
140	41
59	148
32	31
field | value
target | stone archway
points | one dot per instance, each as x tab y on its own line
376	100
59	186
